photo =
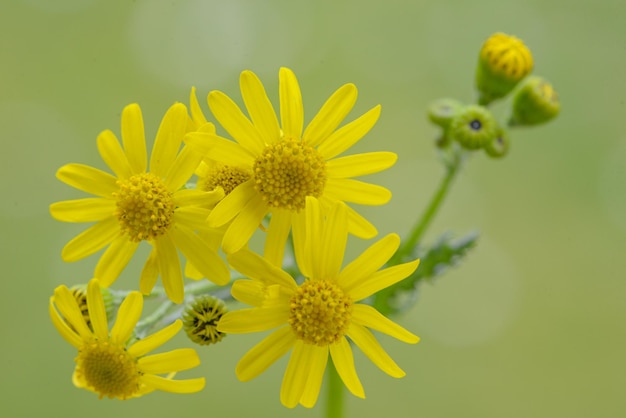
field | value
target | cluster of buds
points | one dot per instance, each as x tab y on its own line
504	64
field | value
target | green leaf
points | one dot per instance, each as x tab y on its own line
445	253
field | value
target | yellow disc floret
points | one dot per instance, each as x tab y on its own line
320	312
108	369
226	177
144	207
289	171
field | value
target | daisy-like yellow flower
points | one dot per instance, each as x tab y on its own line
316	318
106	363
135	205
287	163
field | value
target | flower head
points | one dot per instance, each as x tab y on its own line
107	363
135	205
288	163
316	318
504	60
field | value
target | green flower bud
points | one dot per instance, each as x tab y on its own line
504	60
200	319
441	111
535	102
474	127
499	146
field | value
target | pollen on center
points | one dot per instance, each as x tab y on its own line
320	312
144	207
227	177
289	171
108	369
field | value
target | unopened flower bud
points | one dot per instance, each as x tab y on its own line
535	102
201	317
504	60
474	127
499	146
441	111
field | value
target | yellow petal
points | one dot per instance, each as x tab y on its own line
88	179
258	268
173	386
91	240
191	217
220	149
91	209
196	112
199	253
298	372
265	353
97	311
360	164
69	310
344	363
169	267
127	317
182	168
134	138
243	226
369	317
259	107
291	110
366	341
346	136
317	366
277	234
66	332
380	280
114	260
299	227
369	261
235	122
355	191
253	320
172	361
333	242
332	113
149	273
359	226
154	341
249	292
168	140
195	197
232	204
113	155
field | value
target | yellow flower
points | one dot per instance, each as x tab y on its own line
288	163
315	317
504	60
106	363
135	205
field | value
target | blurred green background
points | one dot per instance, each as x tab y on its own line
532	325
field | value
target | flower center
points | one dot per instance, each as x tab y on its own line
226	177
108	369
289	171
320	312
144	207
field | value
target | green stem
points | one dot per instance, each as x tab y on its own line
452	168
335	392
